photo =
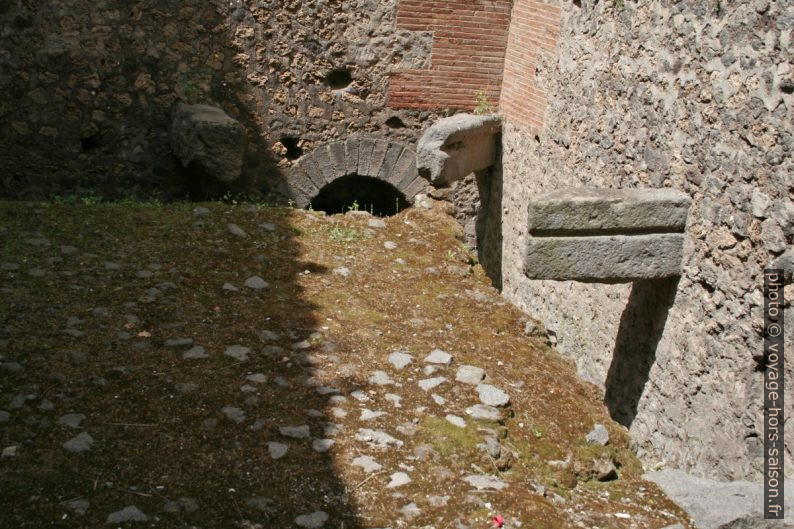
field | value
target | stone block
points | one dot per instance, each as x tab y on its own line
301	187
378	155
208	139
365	148
324	164
608	210
457	146
404	170
336	151
610	258
351	156
309	166
389	161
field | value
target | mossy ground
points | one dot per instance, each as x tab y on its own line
153	440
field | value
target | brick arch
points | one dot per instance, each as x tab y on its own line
388	161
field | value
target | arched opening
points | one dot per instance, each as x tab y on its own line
363	193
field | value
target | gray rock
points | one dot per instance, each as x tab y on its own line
342	271
233	414
82	442
430	383
377	438
568	211
201	211
368	415
437	356
604	258
206	138
128	514
598	435
367	463
719	505
78	506
456	146
195	352
470	375
256	283
460	422
380	378
236	230
492	396
260	503
277	450
257	378
230	288
322	445
605	469
399	359
9	451
238	352
410	511
484	413
180	505
484	482
398	479
376	223
313	520
296	432
178	342
390	245
268	226
4	416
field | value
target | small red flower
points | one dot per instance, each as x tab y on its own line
498	521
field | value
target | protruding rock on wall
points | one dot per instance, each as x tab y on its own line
388	161
606	235
457	146
208	139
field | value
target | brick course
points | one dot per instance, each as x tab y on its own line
469	42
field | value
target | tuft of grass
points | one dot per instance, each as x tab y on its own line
345	235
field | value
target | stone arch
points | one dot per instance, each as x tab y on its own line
387	161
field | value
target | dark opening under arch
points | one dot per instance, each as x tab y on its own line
360	192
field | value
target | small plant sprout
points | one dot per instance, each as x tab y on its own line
483	105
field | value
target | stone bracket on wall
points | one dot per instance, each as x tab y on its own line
606	235
456	146
388	161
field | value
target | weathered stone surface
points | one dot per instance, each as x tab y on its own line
604	258
612	210
456	146
658	347
131	513
719	505
209	139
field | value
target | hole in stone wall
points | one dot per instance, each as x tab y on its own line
294	151
395	122
89	143
339	79
577	3
360	192
537	138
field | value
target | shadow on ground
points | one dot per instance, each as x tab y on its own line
116	324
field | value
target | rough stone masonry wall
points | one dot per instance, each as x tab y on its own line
87	88
695	96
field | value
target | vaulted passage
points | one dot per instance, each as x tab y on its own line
356	173
362	193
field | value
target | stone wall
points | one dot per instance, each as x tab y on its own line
696	96
87	89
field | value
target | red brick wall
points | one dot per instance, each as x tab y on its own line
469	41
534	29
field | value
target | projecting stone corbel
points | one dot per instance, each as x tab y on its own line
606	235
456	146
